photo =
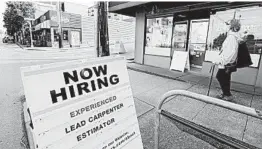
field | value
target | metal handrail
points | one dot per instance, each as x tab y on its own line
225	104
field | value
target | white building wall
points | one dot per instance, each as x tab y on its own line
118	31
121	31
76	8
42	8
88	31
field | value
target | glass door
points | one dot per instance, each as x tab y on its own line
179	38
197	42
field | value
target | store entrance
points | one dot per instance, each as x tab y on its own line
179	39
191	35
197	42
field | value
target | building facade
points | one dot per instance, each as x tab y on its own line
45	30
194	27
78	26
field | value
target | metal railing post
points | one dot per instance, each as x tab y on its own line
221	103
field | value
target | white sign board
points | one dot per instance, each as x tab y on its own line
75	38
180	61
80	104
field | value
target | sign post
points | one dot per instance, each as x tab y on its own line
81	104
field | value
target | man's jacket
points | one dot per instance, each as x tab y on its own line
229	49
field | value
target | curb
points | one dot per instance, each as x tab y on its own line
156	74
19	45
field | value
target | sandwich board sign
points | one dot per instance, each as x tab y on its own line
180	61
81	104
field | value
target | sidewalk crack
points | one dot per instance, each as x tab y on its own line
199	111
145	102
146	112
244	129
244	132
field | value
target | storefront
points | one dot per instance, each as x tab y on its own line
46	33
196	28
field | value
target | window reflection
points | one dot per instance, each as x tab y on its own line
251	21
158	36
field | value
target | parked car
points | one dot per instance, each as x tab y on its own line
4	40
7	39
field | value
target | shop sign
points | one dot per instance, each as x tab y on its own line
54	18
65	35
38	27
80	104
65	20
180	61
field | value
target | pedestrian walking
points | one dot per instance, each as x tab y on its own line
227	59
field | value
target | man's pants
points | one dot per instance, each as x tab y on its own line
224	81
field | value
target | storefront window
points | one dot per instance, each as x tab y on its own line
180	36
158	36
48	42
65	35
251	21
56	35
197	41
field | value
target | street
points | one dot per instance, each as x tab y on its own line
13	53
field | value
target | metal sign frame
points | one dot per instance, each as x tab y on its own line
221	103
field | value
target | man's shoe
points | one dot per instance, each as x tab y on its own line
221	96
228	98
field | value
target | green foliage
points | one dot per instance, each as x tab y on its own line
217	42
14	15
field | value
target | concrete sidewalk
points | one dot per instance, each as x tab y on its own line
192	78
147	90
128	53
24	47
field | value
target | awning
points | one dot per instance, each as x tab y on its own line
43	25
163	8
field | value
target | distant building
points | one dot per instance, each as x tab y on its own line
45	33
78	26
115	16
44	6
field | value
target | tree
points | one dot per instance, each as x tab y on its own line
14	15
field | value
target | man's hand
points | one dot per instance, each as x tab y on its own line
216	62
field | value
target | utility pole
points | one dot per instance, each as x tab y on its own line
102	29
58	10
96	30
31	35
